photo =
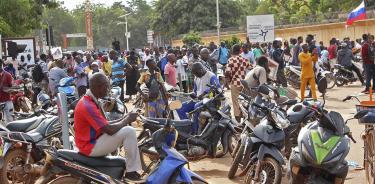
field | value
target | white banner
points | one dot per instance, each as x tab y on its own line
76	35
261	28
57	53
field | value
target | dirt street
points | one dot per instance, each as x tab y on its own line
215	170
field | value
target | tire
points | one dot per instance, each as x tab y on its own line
222	145
232	142
331	81
65	179
272	166
236	162
20	155
149	159
369	155
339	81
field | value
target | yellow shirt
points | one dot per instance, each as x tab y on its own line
107	67
307	64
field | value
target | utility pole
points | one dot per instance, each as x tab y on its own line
126	30
218	22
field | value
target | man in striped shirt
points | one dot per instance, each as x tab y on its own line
118	71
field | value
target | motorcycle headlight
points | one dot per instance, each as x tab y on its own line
280	119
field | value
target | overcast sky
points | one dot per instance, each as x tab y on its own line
71	4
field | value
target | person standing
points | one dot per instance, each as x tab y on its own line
248	54
107	66
367	53
223	54
6	81
146	56
170	71
235	72
205	60
132	75
181	69
81	76
296	51
257	51
118	71
307	71
332	52
277	55
55	75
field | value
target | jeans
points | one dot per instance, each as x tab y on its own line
126	137
369	71
8	111
188	107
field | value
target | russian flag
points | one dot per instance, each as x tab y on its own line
357	14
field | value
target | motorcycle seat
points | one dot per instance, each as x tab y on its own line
24	125
175	123
107	161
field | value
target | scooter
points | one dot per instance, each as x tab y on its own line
66	85
293	75
344	76
322	148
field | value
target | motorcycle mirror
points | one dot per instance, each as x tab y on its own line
174	105
361	114
263	90
322	85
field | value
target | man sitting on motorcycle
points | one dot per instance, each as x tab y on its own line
202	79
96	137
345	57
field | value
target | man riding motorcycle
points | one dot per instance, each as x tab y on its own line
96	137
203	78
345	57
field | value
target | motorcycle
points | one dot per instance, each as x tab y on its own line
111	169
256	118
66	85
24	146
293	75
20	96
344	76
219	129
260	147
322	148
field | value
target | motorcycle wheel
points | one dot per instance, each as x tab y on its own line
236	161
65	179
270	172
149	159
330	81
339	80
24	107
223	145
13	159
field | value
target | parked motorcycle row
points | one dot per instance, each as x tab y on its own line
306	138
337	76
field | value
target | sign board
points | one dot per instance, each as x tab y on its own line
150	36
261	28
30	47
76	35
57	53
128	35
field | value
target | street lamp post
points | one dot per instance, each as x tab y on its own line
218	21
126	29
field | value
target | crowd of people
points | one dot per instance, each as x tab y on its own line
189	68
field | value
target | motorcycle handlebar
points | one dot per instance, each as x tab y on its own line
351	137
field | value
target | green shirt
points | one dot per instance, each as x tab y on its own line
257	53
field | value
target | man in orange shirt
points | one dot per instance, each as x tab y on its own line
307	61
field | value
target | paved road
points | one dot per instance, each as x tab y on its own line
215	170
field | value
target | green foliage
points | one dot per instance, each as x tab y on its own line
174	17
192	38
232	41
20	17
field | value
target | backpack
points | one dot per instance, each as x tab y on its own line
37	73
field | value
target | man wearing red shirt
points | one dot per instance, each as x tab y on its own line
96	137
368	63
5	84
332	52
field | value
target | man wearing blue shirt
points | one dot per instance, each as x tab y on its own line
118	71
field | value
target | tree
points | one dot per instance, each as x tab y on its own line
192	38
20	17
175	17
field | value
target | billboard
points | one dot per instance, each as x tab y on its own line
261	28
30	47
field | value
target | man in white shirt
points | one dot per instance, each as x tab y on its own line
146	56
248	54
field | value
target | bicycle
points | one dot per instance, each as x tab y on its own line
368	137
